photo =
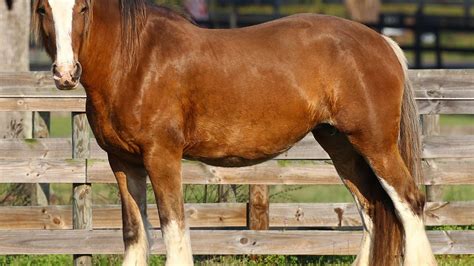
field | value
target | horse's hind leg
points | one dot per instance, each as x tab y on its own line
359	179
131	180
382	153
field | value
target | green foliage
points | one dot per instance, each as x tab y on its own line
28	260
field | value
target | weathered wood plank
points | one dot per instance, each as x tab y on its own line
271	172
35	217
443	172
46	148
228	215
328	214
449	172
42	171
308	148
197	215
450	107
45	104
444	91
230	242
448	147
442	79
109	216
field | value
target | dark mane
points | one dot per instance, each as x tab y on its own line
133	15
173	11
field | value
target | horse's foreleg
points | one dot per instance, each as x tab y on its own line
164	169
131	181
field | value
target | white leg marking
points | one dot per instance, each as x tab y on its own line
62	16
137	253
178	245
417	250
365	252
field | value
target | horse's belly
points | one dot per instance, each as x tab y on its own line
232	160
245	150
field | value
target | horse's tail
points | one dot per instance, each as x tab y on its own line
388	243
409	141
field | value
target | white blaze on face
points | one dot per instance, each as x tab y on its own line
62	17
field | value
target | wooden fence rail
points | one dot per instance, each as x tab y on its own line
311	228
227	215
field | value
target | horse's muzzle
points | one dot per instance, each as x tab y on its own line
67	77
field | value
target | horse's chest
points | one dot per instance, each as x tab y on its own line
109	138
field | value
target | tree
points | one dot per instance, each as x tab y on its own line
14	57
15	27
364	11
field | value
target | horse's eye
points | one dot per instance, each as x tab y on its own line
41	11
84	10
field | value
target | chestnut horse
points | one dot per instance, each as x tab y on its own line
160	89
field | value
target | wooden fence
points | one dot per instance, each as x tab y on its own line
294	228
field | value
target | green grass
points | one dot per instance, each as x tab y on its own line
308	194
155	260
456	120
60	125
458	193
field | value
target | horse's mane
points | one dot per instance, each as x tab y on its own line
134	13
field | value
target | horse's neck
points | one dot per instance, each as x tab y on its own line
100	55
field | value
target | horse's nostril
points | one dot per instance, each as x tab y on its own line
77	71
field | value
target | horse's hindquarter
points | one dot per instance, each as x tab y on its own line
257	91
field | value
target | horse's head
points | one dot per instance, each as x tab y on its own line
62	25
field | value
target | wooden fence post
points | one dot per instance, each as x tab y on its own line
430	127
82	193
258	210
